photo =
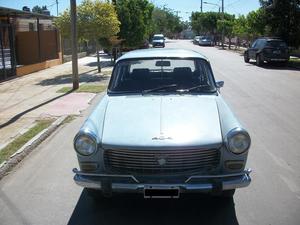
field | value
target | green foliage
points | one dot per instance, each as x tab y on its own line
206	23
95	19
38	9
90	88
63	23
136	19
166	22
226	26
283	19
256	23
240	27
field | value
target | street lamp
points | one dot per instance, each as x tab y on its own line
209	3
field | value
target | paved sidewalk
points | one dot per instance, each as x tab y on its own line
29	98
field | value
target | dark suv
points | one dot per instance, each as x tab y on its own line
269	50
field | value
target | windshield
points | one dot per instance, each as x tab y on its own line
276	44
158	38
206	38
162	75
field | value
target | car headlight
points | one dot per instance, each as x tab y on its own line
238	141
85	144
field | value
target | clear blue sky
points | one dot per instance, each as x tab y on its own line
184	6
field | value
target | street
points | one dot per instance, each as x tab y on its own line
40	190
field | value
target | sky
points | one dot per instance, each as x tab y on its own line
184	7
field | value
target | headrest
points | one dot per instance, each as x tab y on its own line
183	73
140	74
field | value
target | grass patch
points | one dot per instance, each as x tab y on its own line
69	119
84	88
16	144
295	62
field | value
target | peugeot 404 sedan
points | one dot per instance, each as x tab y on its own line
162	129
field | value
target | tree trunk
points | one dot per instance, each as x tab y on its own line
98	58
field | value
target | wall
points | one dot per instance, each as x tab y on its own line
33	47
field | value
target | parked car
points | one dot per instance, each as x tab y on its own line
158	40
206	41
162	129
267	50
196	40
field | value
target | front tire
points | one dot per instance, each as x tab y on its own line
259	61
228	193
246	58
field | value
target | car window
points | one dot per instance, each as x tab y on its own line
260	44
276	44
139	75
253	44
158	38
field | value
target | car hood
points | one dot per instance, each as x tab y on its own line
151	121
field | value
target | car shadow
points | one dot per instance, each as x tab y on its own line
135	210
274	66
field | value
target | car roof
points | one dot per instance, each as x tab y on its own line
162	53
270	39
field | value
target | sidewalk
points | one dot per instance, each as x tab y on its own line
29	98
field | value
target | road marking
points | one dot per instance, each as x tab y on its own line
291	184
279	161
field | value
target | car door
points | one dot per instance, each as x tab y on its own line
253	49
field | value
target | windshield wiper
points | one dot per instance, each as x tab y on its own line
159	88
196	87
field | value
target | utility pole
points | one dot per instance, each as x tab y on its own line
223	24
56	7
201	6
74	45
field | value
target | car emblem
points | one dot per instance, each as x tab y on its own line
162	161
161	137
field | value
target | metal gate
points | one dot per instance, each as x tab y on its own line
7	52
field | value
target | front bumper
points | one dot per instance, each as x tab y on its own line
129	183
158	44
276	59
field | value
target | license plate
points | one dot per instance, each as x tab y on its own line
161	192
277	52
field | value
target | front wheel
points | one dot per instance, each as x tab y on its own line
259	61
246	58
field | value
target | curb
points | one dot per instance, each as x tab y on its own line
7	166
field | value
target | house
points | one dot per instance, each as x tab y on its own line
28	42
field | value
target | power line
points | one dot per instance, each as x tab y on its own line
232	3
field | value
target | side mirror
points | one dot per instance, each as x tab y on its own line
220	84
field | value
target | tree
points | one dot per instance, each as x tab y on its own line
63	23
283	19
95	20
206	23
38	9
240	29
256	23
227	27
136	19
166	22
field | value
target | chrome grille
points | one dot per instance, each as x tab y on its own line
161	161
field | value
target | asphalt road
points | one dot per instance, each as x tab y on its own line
41	190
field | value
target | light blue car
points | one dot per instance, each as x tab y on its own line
162	129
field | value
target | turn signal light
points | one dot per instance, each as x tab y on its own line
234	165
88	166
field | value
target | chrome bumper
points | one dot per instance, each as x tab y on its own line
192	184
